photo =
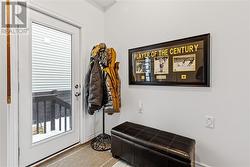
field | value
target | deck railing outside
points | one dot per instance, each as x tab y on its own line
49	107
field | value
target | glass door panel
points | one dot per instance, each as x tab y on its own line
51	82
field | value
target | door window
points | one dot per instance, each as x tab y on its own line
51	82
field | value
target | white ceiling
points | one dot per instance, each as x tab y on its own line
102	4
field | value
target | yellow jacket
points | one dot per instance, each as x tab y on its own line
113	83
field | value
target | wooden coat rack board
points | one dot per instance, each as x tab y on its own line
8	54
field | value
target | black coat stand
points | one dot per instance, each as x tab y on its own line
103	141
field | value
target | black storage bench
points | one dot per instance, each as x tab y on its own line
143	146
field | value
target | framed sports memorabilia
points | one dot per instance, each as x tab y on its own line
183	62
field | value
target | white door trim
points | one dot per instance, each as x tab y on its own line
13	108
34	6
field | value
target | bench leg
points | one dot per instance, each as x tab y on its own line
115	156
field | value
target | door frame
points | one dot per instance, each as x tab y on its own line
13	148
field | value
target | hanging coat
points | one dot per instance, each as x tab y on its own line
102	82
112	83
94	83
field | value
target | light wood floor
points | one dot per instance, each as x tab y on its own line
81	156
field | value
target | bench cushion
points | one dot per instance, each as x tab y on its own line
164	142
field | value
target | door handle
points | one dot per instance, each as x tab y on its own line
76	86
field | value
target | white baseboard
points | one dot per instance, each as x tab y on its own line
90	137
199	164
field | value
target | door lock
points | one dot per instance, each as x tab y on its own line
77	94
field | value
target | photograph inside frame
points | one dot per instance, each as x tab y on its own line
161	65
184	63
140	67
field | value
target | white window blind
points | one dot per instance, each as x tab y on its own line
51	59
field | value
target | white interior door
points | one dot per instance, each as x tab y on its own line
48	87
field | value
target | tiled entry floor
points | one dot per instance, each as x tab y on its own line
121	164
81	156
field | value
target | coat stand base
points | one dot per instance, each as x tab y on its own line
103	141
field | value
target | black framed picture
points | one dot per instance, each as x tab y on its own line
183	62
